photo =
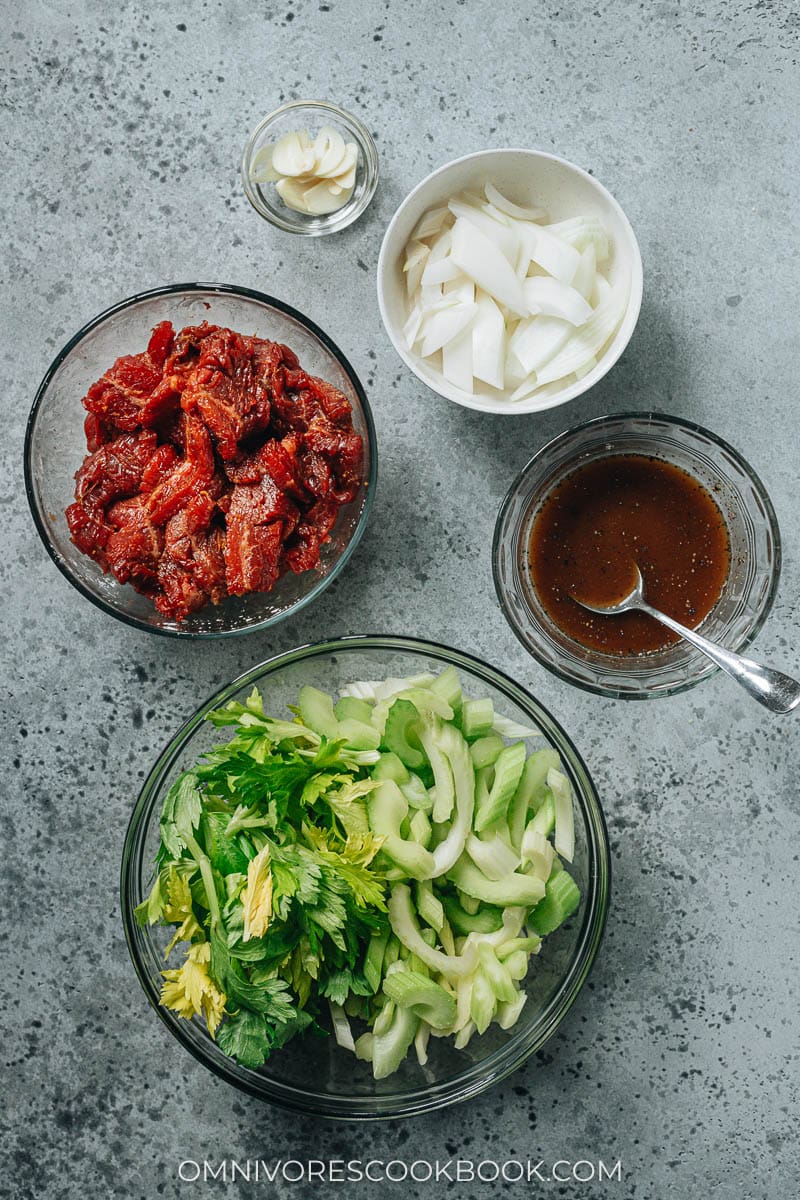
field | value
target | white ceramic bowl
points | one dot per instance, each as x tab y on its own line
528	177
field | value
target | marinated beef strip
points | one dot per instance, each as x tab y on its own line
215	465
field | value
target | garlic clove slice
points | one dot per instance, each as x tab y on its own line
293	155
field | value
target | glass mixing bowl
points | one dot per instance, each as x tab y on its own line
748	592
55	448
315	1075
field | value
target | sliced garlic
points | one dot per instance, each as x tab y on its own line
311	176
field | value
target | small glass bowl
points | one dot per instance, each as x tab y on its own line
311	115
314	1075
55	447
755	551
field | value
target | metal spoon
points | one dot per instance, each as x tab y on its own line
776	691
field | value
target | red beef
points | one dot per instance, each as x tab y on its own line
215	464
180	592
252	556
185	480
226	392
88	531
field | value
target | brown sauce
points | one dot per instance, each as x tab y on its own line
610	514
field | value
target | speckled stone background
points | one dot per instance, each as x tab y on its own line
123	125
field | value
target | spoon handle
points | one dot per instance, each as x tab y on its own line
776	691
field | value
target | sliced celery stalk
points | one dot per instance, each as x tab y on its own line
545	820
389	766
316	711
483	1002
448	686
399	734
508	1014
486	750
560	901
444	794
373	960
564	839
389	1048
497	973
358	734
493	856
483	920
429	906
420	828
387	808
404	926
416	793
507	774
477	718
349	708
514	890
430	1002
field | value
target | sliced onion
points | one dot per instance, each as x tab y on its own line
537	340
556	257
495	297
502	236
444	325
587	342
581	232
487	266
457	361
431	222
441	270
583	281
507	206
488	342
555	299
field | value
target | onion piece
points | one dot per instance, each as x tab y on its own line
583	281
488	342
457	361
588	341
484	262
537	340
412	326
503	236
416	257
430	223
444	325
549	252
440	270
601	290
507	206
555	299
581	232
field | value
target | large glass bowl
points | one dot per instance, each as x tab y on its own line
748	592
314	1075
55	447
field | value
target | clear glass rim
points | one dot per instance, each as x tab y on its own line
501	533
223	289
335	221
503	1062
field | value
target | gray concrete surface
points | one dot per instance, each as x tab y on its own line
123	125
